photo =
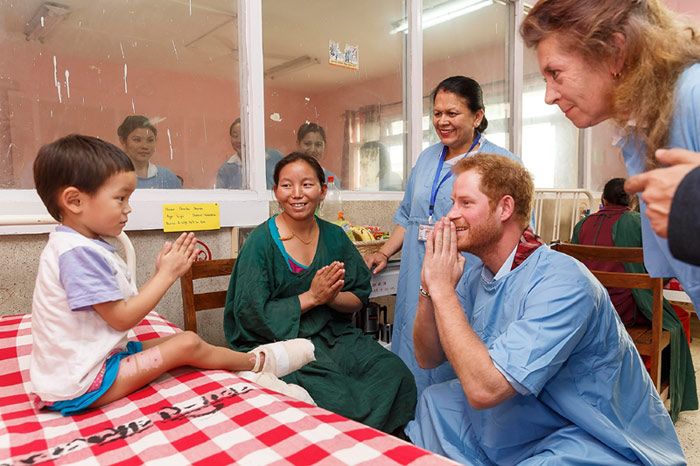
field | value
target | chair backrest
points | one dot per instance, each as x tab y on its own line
194	302
646	346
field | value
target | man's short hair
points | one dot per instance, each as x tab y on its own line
502	176
84	162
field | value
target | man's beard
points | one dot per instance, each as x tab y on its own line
480	238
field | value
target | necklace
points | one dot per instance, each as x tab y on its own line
294	235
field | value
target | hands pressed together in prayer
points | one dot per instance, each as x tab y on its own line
443	264
658	186
176	258
327	283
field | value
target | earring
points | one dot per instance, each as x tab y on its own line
616	75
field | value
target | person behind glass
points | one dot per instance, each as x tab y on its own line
459	121
311	139
137	136
230	174
615	224
634	62
388	180
300	276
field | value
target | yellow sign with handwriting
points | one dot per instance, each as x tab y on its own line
191	217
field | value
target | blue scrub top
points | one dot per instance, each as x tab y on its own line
163	179
412	212
584	396
684	133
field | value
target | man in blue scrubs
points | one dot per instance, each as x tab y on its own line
546	373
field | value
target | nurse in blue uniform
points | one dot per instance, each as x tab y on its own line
460	122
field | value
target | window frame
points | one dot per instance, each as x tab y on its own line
249	207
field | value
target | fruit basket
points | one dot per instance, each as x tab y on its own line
369	247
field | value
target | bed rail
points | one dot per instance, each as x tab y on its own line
564	208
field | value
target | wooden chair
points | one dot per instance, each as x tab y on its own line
194	302
649	340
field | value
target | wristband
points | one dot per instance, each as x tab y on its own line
423	292
380	252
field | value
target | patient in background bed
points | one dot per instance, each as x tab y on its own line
85	301
615	224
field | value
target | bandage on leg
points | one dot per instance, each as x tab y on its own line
284	357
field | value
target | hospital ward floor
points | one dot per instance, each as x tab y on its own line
688	424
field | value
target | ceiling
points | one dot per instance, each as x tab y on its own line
200	36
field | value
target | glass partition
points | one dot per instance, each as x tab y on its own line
470	41
605	157
85	66
550	140
334	88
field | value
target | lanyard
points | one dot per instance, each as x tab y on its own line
436	184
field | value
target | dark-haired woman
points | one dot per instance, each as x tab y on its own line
299	275
615	224
137	136
459	121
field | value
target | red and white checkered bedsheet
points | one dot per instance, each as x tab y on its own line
185	417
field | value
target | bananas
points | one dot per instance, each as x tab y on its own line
361	233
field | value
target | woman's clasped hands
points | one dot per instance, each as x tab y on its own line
327	283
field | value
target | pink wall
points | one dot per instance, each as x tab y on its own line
689	7
484	65
197	110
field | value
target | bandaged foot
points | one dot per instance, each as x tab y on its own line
283	357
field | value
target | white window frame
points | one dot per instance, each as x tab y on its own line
250	207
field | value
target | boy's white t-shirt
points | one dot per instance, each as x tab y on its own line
70	341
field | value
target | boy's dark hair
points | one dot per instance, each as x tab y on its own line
84	162
133	122
295	157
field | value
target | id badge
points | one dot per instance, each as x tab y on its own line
423	230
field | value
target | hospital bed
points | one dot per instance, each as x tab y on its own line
556	211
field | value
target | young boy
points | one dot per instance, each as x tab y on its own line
85	302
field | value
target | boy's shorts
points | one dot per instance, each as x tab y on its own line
68	407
